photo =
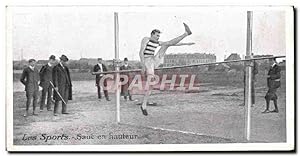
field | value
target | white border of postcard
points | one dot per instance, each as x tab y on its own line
290	99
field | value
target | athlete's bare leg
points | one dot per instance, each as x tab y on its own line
148	90
173	42
161	52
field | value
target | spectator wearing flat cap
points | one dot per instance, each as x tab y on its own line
30	78
46	77
125	92
100	67
62	83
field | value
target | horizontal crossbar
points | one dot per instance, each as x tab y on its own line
185	66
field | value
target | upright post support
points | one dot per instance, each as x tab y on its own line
248	72
116	33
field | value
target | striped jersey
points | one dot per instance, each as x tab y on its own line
151	47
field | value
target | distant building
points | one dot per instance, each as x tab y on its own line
188	59
93	61
88	61
222	67
261	56
75	65
233	56
109	63
234	66
40	63
263	61
19	64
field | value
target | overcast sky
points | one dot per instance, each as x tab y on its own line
88	32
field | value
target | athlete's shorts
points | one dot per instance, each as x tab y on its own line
152	62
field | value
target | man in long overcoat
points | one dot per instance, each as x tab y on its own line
124	88
63	84
46	77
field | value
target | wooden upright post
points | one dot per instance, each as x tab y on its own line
248	101
116	32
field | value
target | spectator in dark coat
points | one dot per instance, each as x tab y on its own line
100	67
62	83
30	78
46	77
273	82
124	88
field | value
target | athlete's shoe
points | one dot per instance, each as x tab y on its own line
275	111
266	111
187	29
144	111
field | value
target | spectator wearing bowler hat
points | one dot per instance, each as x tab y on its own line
124	88
62	83
46	77
30	78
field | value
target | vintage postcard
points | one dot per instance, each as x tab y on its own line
150	78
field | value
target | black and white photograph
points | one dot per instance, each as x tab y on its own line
150	78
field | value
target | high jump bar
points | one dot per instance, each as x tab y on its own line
191	65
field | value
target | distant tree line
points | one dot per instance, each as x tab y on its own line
74	65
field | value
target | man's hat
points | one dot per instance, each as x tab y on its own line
31	60
52	57
99	58
64	58
125	59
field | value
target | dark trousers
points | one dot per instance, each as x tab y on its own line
65	95
271	94
32	96
125	92
104	90
46	92
129	95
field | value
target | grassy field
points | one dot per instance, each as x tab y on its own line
213	114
